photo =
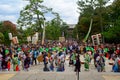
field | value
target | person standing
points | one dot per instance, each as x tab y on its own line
45	60
73	58
115	64
51	60
100	60
15	62
78	64
111	51
95	57
1	61
87	61
118	63
35	54
9	64
27	62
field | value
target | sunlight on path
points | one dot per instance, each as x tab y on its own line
110	77
6	76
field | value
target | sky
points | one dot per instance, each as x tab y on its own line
67	9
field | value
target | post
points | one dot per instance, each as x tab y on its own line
43	36
10	38
86	37
62	34
77	75
101	25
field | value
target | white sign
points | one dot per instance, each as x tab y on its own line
61	39
10	36
29	38
99	38
15	40
35	38
96	39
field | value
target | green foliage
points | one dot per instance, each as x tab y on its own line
64	29
1	37
86	12
5	28
6	38
53	32
55	28
33	15
101	15
32	19
75	32
112	32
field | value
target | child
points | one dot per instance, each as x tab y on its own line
8	65
27	62
51	63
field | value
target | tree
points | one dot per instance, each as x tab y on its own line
86	9
55	28
24	33
7	27
91	9
1	38
112	35
52	31
112	32
64	29
33	15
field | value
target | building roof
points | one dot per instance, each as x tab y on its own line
71	25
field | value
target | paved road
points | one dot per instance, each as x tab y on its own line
36	73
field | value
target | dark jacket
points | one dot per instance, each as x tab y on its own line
78	64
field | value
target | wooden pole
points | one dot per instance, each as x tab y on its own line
43	36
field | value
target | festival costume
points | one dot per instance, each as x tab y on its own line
87	61
8	65
15	63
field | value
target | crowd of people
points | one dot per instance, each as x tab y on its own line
27	55
54	53
99	54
